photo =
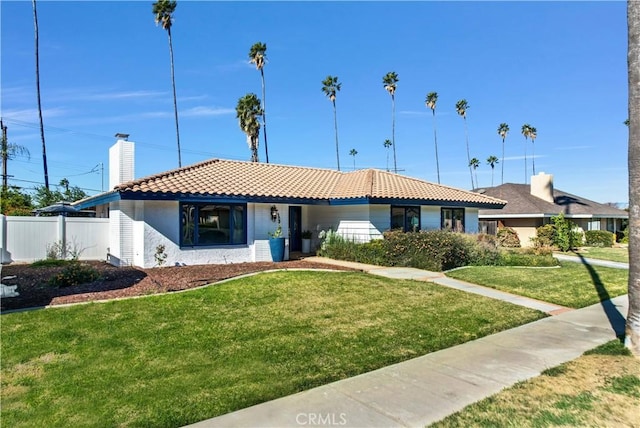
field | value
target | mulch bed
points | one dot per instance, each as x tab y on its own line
121	282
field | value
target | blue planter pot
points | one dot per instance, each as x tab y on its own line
277	249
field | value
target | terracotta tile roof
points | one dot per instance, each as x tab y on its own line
520	201
218	177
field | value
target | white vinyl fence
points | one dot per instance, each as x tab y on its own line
26	239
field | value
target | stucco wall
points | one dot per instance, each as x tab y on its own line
525	228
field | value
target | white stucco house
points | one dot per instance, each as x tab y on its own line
221	211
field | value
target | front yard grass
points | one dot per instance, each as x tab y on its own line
613	254
599	389
572	284
176	359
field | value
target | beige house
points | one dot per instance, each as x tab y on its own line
531	206
222	211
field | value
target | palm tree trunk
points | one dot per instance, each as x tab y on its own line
44	147
393	132
435	140
502	173
533	156
335	126
525	161
254	148
175	99
492	170
264	116
632	330
4	150
466	136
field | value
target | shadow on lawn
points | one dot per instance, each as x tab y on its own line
616	319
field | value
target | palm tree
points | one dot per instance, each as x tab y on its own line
461	107
331	87
247	111
9	151
533	133
632	330
526	131
37	49
626	122
430	101
492	161
258	56
387	144
390	82
474	163
163	10
353	152
503	130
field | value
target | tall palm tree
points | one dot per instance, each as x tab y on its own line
353	152
526	131
390	83
9	151
387	143
503	130
163	11
258	56
533	133
247	111
461	107
474	163
331	87
37	50
430	101
492	161
632	330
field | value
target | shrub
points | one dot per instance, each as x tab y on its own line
74	274
527	257
49	263
545	236
598	238
625	236
508	238
567	235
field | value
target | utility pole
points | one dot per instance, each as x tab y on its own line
5	155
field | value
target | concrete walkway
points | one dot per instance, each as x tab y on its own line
426	389
423	390
597	262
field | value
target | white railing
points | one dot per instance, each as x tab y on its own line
26	239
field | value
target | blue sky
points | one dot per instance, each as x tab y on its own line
104	66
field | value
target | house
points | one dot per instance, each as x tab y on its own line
531	206
221	211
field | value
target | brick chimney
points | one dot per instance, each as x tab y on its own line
121	161
542	186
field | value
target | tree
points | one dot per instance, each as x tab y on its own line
461	107
430	101
632	330
45	197
492	161
15	202
163	11
247	111
390	83
353	152
258	56
526	131
533	133
37	49
503	130
387	143
330	87
474	163
9	151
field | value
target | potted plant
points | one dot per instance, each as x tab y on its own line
306	241
276	243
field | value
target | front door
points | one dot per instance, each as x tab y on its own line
295	229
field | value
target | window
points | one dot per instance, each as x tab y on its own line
213	224
405	218
453	219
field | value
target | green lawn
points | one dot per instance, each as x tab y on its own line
612	254
572	284
176	359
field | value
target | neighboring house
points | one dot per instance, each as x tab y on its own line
221	211
529	207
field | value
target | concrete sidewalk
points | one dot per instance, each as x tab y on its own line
426	389
597	262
